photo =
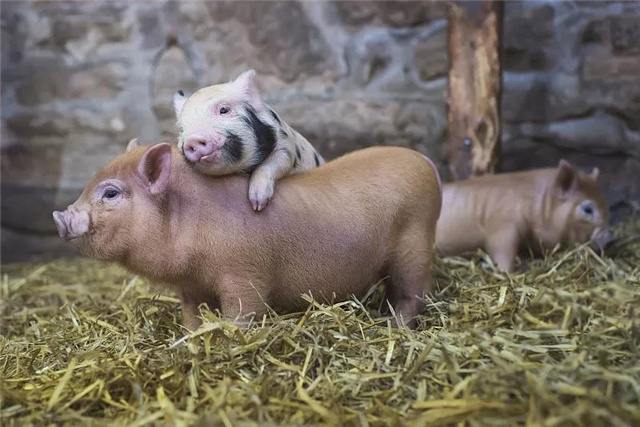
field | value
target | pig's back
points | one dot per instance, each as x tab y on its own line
394	175
329	231
334	226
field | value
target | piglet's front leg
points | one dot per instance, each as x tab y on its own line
263	179
502	246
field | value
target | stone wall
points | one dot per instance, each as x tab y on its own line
572	90
81	78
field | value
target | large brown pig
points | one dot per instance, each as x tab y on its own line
535	209
332	231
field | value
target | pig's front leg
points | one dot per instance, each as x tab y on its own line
263	179
242	300
502	246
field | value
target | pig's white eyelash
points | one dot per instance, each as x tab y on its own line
113	183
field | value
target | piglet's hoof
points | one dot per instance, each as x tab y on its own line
260	193
258	205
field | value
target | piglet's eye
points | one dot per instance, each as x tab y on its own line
110	194
587	210
224	109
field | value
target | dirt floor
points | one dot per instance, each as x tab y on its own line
88	343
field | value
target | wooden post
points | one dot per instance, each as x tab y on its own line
475	32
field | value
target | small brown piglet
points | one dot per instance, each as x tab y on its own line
535	210
331	232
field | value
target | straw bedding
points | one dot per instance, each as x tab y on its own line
88	343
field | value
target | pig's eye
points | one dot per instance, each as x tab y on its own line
587	210
224	109
110	194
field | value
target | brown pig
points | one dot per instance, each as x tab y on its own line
535	210
331	232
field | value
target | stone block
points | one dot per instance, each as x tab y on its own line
625	34
273	37
35	164
50	80
528	24
604	66
28	208
431	57
172	73
392	13
33	247
542	97
77	122
340	126
370	56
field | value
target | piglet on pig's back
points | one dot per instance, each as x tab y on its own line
228	128
332	232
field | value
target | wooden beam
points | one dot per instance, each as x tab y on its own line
475	32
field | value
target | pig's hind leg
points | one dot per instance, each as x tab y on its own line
191	307
190	318
242	300
410	276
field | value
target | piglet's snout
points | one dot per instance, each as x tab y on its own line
601	238
71	223
197	147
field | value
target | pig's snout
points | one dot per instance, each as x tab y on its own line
199	148
71	223
601	238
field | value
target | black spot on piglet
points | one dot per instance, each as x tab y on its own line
315	155
180	92
233	147
265	134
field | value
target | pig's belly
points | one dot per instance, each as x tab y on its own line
331	270
324	287
455	237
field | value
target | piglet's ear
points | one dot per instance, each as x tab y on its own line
247	84
155	167
133	144
566	176
178	102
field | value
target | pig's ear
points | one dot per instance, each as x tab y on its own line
155	166
247	84
566	176
133	144
595	173
178	102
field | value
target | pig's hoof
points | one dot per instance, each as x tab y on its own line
259	195
259	205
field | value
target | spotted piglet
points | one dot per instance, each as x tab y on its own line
228	128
